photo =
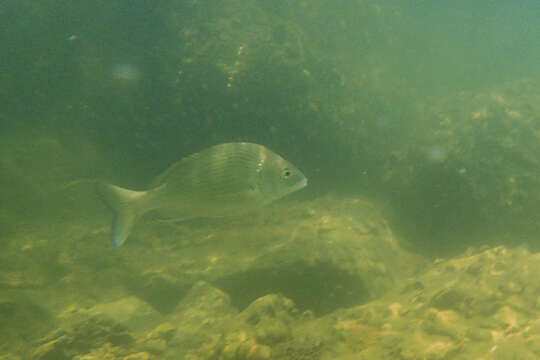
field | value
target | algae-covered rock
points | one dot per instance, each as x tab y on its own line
104	331
221	332
240	288
200	319
139	356
29	261
464	309
22	317
105	352
271	306
477	305
157	340
129	312
272	316
272	332
159	288
52	350
472	167
323	254
10	357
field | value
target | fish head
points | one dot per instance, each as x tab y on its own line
278	177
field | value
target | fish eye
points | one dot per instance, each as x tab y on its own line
286	173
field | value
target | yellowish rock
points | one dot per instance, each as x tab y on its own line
139	356
163	331
229	351
259	352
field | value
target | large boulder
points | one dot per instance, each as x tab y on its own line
323	254
483	304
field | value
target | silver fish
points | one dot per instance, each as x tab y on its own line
225	179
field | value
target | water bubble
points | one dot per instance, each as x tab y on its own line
437	153
125	72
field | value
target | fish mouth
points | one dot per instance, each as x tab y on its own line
302	184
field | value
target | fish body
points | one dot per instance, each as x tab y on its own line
225	179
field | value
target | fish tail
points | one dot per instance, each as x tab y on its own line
125	205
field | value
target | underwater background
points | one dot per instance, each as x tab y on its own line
417	124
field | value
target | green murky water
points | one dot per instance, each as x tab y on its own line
416	123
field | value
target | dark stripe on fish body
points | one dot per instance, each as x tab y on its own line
225	168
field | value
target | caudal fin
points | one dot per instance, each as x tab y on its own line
125	205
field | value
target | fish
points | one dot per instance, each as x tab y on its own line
223	180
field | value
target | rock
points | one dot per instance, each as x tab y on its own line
271	332
201	317
22	317
323	254
209	326
159	288
164	331
207	299
130	312
456	313
158	339
301	348
272	306
511	348
452	298
10	357
444	323
484	144
104	352
271	315
259	352
103	331
139	356
52	350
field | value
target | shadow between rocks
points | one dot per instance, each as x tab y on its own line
320	288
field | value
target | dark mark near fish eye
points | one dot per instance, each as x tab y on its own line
286	173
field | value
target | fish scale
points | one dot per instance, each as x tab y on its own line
223	180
